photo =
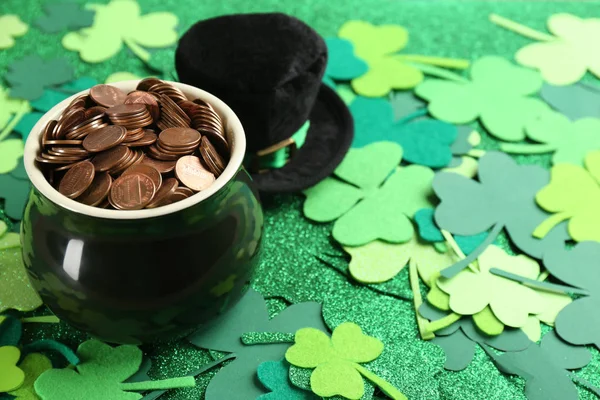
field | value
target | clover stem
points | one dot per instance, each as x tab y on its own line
546	226
23	109
442	323
535	284
44	319
437	61
384	385
418	300
585	383
459	266
520	29
438	72
456	248
527	148
51	345
173	383
419	113
138	50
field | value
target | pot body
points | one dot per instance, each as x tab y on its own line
144	280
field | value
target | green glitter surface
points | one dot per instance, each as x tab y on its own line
290	269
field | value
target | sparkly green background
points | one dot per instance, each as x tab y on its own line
290	271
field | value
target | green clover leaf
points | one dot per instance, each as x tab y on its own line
11	151
342	63
570	55
573	193
374	199
569	140
274	375
118	22
498	94
61	16
12	377
337	360
100	375
33	365
30	75
11	26
376	45
8	107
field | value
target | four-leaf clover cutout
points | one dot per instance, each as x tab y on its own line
373	198
118	22
498	94
337	360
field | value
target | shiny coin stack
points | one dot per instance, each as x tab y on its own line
128	151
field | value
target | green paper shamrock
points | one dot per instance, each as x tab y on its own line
375	45
565	59
30	75
11	26
342	63
61	16
100	376
569	140
274	375
11	151
574	194
15	193
337	361
8	107
118	22
374	199
470	292
11	376
497	94
33	365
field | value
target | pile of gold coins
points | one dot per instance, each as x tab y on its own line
129	151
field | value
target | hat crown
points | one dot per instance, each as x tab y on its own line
266	67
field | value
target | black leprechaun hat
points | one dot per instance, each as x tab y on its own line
268	69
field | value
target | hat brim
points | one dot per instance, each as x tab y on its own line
327	142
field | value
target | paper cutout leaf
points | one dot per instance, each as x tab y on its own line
424	141
470	292
8	107
544	368
573	194
11	26
566	59
61	16
250	315
100	375
33	365
503	197
15	193
342	63
379	261
466	166
118	22
503	105
375	45
29	76
337	360
570	141
12	377
11	151
274	375
405	103
575	101
16	291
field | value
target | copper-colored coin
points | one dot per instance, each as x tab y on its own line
187	191
192	174
145	98
68	151
98	190
179	137
167	188
147	83
63	142
85	127
158	154
94	111
107	96
58	160
132	192
174	198
210	156
66	167
125	109
110	158
147	139
77	179
127	162
63	157
147	170
162	166
105	138
72	118
47	133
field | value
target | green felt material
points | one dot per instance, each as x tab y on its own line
16	291
162	61
67	15
30	75
12	377
250	315
15	193
274	375
52	345
9	240
11	151
8	107
11	26
342	63
504	114
405	103
19	172
33	365
575	101
10	331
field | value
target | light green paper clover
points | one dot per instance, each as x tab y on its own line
11	376
337	361
118	22
572	53
569	140
8	107
11	150
376	45
11	26
497	94
511	302
373	198
33	365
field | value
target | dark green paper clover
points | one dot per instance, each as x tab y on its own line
15	192
29	76
274	375
342	63
251	315
68	15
